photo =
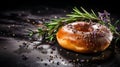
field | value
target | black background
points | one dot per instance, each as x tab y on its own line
110	5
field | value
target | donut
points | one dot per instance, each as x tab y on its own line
84	37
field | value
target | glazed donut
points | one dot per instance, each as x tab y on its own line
84	37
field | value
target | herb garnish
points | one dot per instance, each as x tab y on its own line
52	27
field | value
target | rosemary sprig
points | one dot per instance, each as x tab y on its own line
83	15
77	15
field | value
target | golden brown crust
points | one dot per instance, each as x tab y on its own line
82	37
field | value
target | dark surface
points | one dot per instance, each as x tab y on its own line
18	50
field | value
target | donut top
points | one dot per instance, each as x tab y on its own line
88	29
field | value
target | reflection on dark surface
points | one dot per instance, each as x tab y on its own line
18	50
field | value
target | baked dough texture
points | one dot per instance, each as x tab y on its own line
84	37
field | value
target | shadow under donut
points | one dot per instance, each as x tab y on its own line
75	57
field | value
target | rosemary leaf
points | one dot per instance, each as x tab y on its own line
87	14
31	33
93	13
76	11
116	40
41	31
71	15
112	28
116	23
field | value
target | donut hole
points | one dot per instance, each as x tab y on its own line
86	27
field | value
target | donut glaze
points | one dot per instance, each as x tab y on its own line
84	37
